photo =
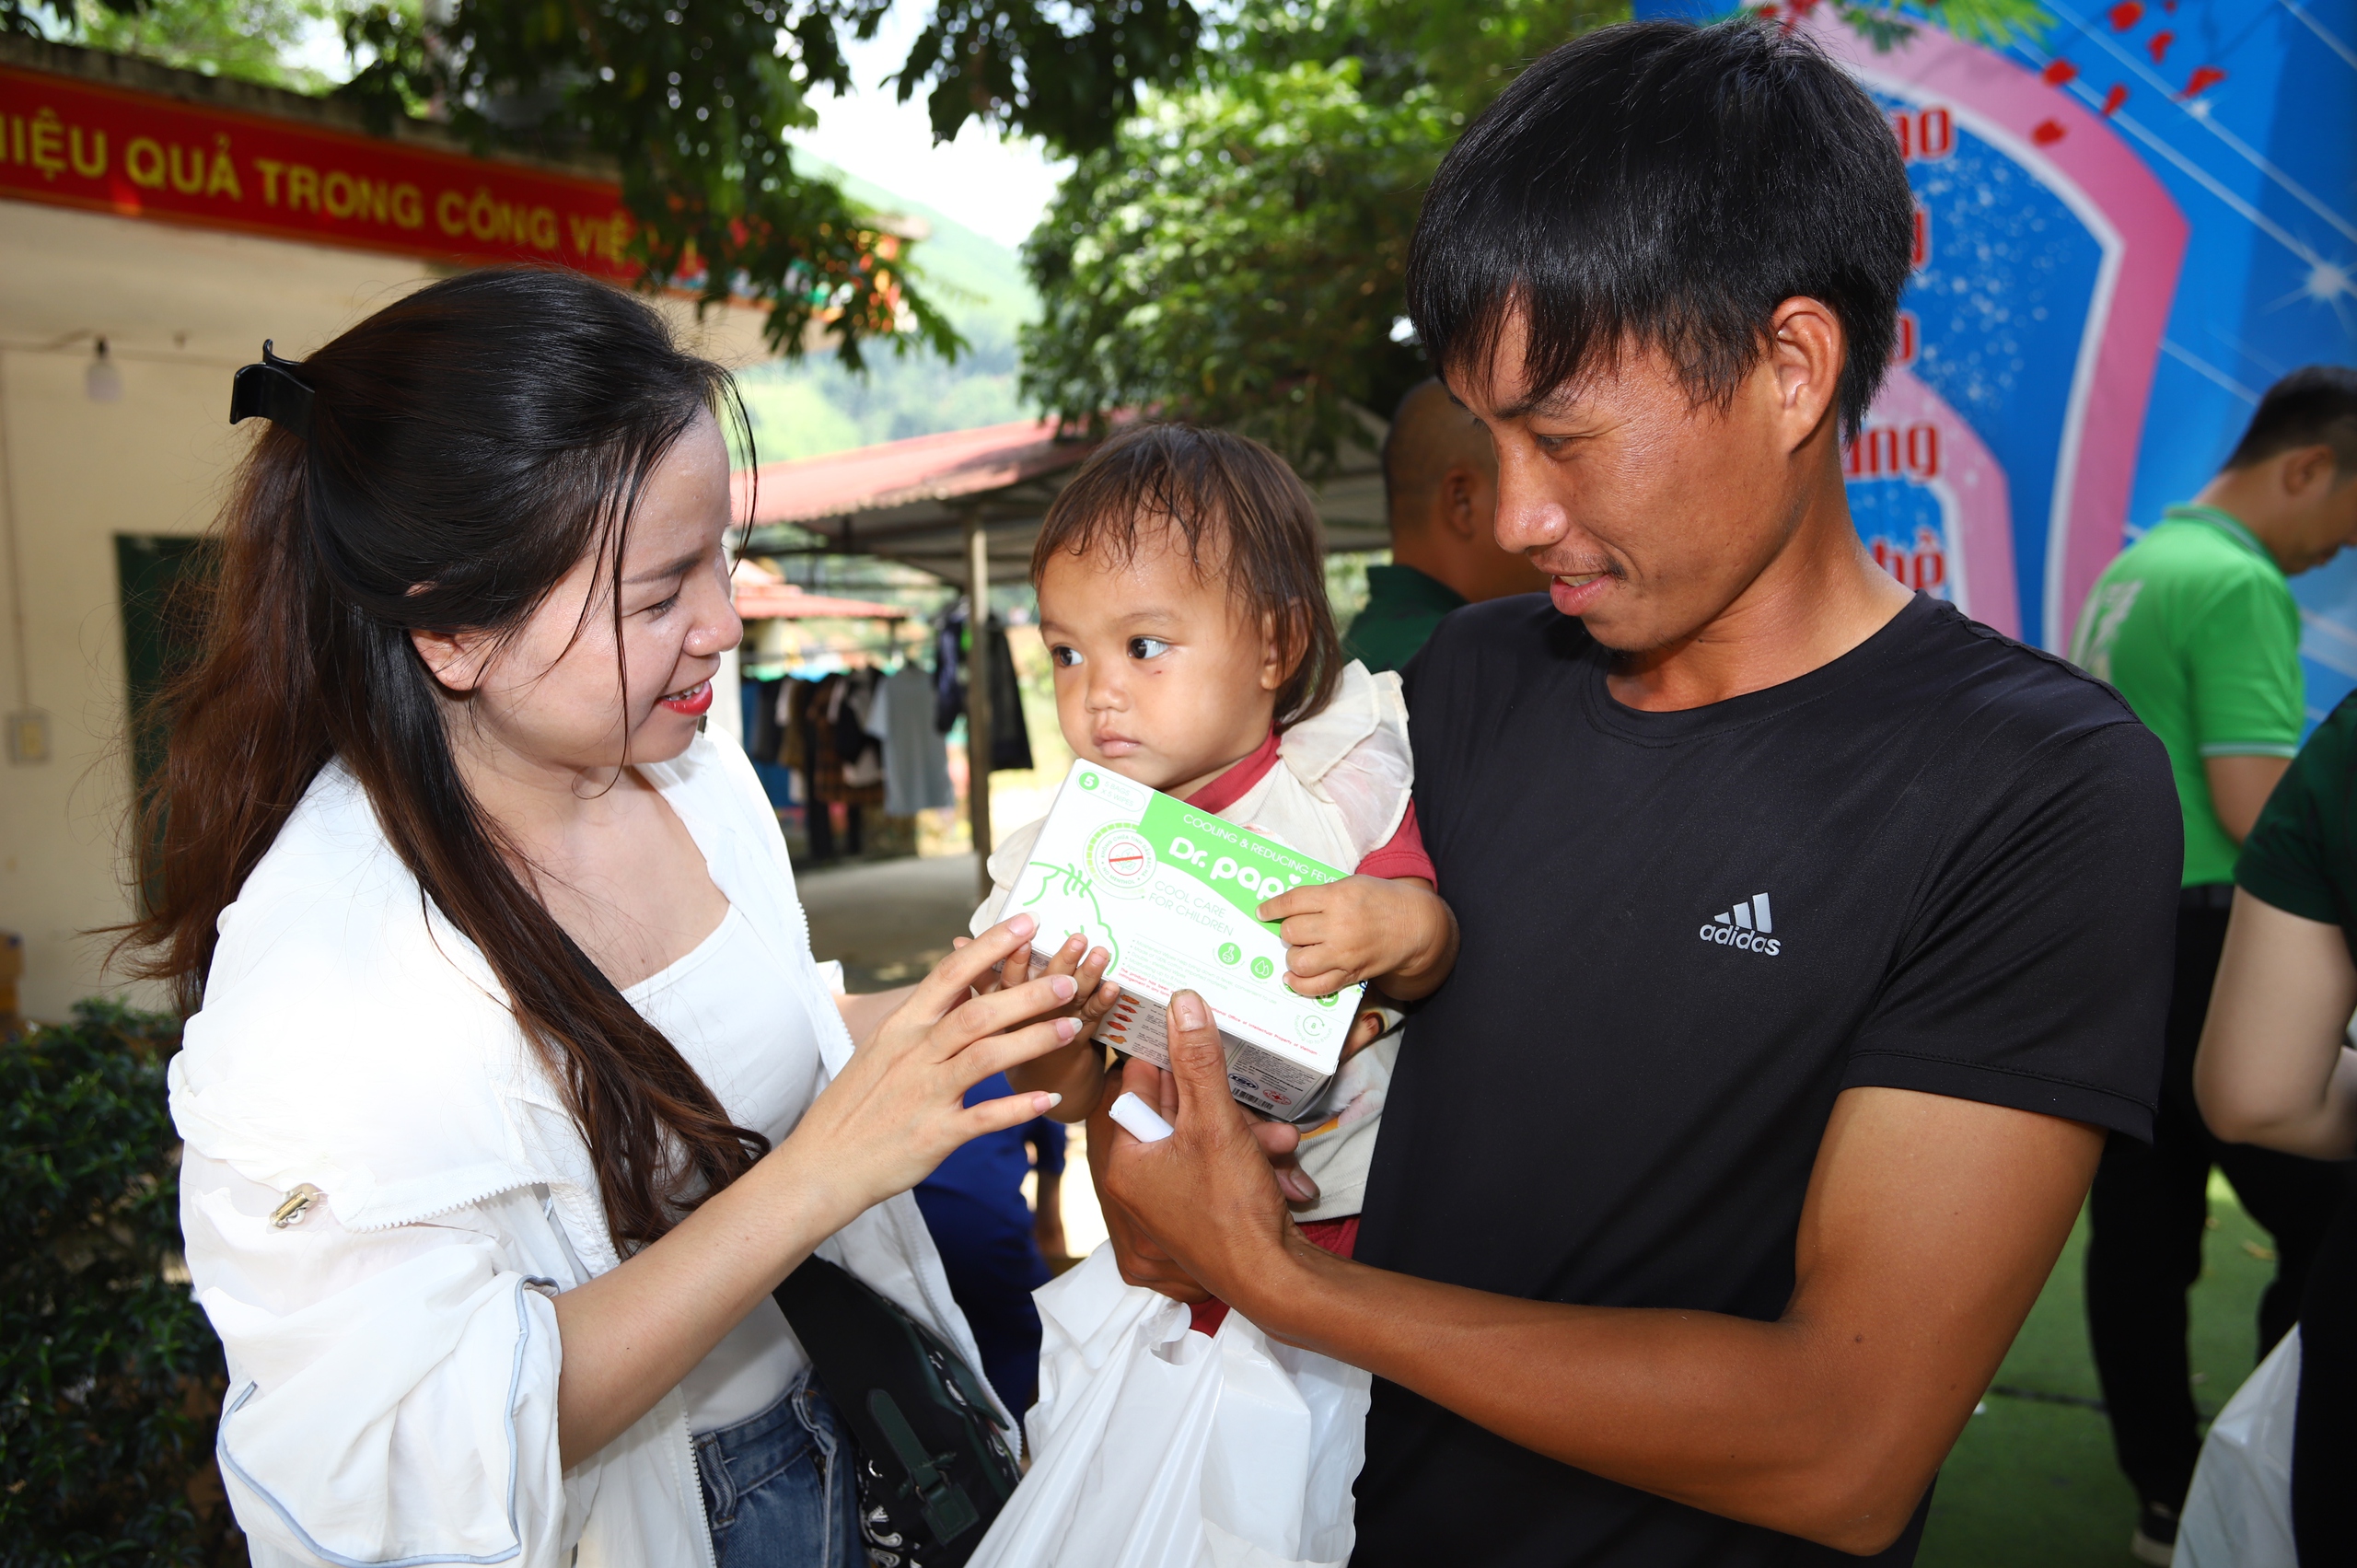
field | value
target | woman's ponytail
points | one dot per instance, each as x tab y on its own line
245	722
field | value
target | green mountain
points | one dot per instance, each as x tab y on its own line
979	281
815	407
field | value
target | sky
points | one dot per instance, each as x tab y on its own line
994	187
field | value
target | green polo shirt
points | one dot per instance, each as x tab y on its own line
2196	627
1402	608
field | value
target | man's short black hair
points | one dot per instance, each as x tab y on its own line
1660	184
2314	406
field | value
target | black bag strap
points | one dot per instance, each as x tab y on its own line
876	1364
946	1507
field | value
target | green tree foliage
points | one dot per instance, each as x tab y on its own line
113	1377
1237	255
693	99
1238	250
1236	258
251	40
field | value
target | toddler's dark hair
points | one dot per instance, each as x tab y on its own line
1242	512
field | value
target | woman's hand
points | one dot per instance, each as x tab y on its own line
898	1108
1075	1071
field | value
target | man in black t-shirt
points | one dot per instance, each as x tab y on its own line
1813	936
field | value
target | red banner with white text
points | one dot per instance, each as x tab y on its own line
75	143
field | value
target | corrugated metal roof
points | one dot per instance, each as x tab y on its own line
763	595
894	474
909	500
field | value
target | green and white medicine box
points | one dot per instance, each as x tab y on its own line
1174	894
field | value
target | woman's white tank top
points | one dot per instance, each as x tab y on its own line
730	1009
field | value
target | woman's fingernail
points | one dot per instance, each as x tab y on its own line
1063	985
1022	925
1075	941
1067	1028
1187	1008
1046	1103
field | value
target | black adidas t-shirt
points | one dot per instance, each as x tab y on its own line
1943	861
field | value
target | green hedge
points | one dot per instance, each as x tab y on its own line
112	1377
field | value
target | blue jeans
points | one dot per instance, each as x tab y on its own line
779	1487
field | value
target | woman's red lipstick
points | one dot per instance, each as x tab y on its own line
695	702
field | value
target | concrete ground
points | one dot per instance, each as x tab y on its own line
890	922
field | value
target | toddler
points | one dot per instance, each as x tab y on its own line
1182	598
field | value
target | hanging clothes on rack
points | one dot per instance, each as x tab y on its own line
1010	737
839	762
762	738
916	761
762	728
948	667
860	752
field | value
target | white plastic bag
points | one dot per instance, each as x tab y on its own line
1156	1447
2238	1511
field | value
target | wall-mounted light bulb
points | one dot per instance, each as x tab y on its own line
102	380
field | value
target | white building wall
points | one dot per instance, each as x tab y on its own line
180	309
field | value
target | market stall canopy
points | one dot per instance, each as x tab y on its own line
763	595
911	501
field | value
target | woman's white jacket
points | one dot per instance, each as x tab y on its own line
393	1356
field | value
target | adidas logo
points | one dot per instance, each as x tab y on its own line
1748	925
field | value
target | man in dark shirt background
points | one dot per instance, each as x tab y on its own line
1440	496
1813	937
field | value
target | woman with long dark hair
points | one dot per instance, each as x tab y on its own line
513	1088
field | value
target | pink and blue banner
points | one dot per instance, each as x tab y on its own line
2125	231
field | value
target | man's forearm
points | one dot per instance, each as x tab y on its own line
1754	1421
1930	1226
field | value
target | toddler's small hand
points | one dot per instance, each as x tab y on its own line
1074	1070
1095	994
1365	928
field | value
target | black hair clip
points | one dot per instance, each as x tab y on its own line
270	390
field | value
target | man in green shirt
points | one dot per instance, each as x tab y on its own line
1440	491
2195	626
